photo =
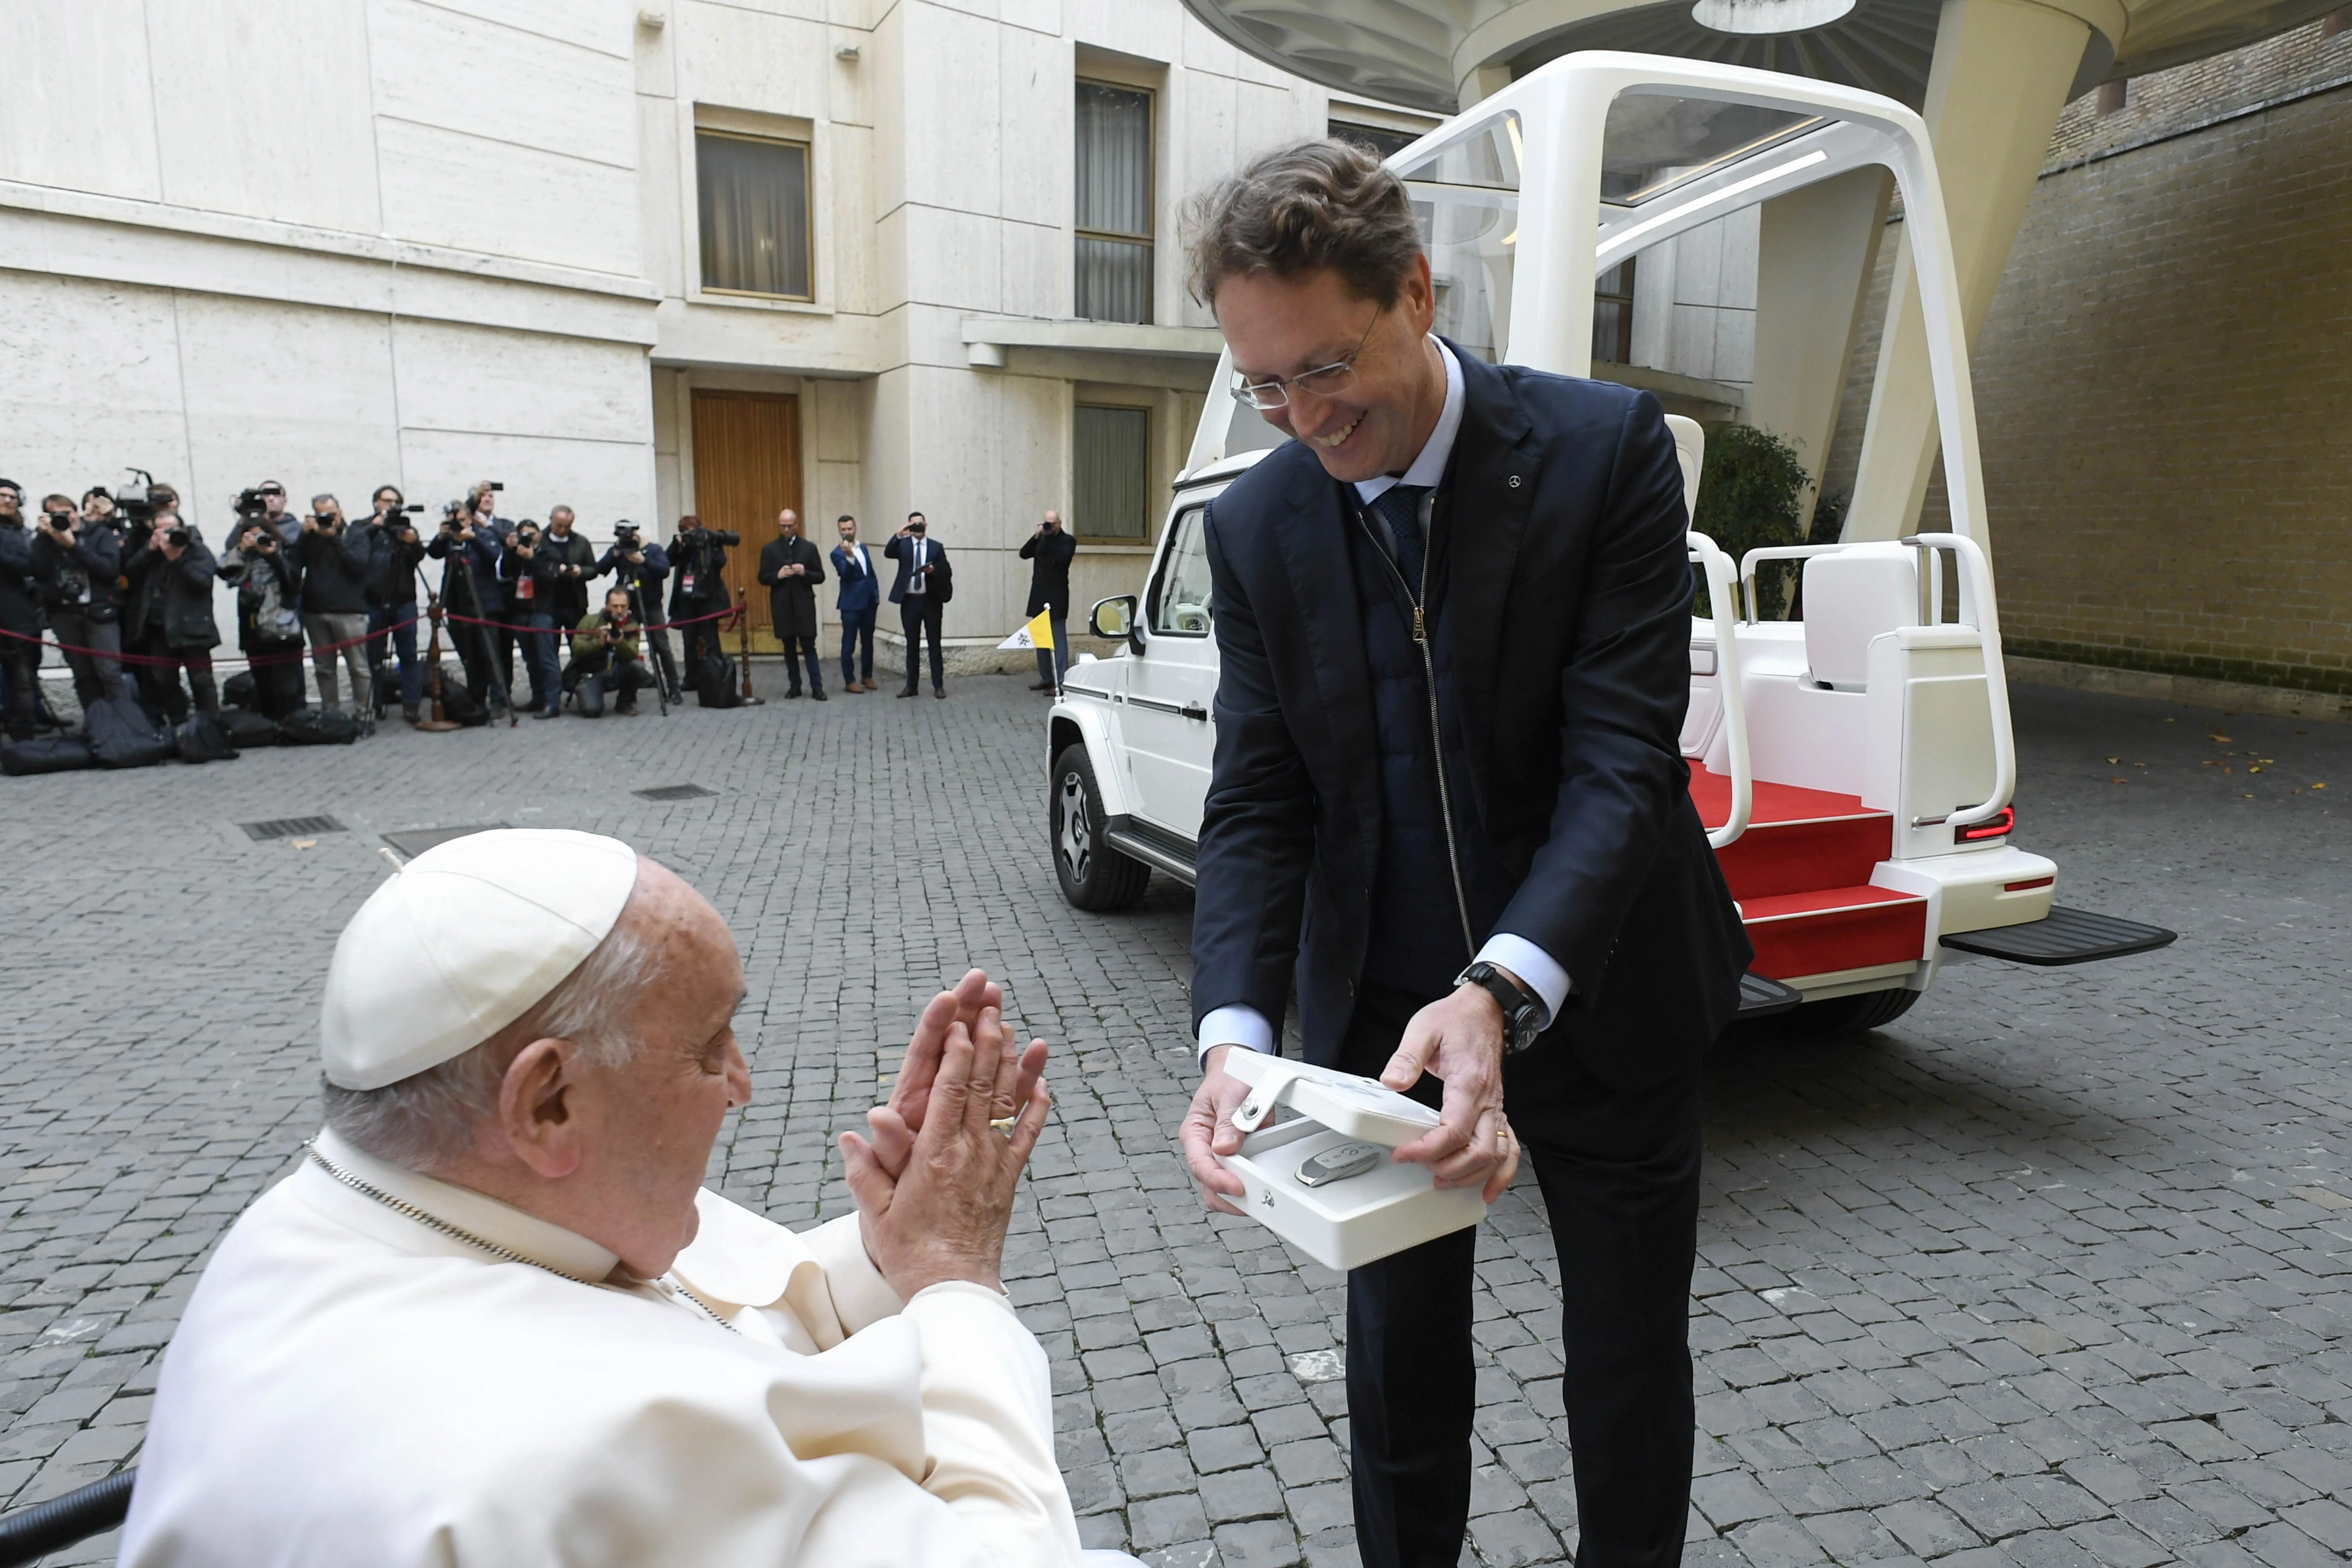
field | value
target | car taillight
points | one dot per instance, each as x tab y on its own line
1998	827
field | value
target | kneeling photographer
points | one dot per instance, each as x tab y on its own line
268	582
698	558
641	564
336	563
604	657
77	562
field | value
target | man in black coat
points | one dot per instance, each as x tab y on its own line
20	615
790	568
172	572
1448	801
1049	550
77	560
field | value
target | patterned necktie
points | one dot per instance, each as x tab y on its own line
1399	507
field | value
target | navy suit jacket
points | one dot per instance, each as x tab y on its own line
1565	623
859	592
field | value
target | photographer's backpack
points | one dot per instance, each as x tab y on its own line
47	754
714	683
237	690
248	729
201	739
122	735
317	727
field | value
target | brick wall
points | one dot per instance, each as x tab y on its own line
2164	386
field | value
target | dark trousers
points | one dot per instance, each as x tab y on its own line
918	613
21	662
590	676
277	678
1620	1173
540	657
857	632
402	620
1055	662
94	675
701	637
162	681
797	651
474	652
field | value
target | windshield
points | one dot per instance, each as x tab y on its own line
1653	144
1466	198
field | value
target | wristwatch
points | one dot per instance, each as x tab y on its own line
1523	1015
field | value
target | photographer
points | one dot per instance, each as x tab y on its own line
268	583
20	653
698	558
604	657
76	563
530	573
394	549
470	586
171	573
642	564
335	565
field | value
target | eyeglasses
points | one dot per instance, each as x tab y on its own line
272	491
1325	381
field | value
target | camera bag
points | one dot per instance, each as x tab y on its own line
459	704
317	727
50	755
239	690
122	735
201	739
714	683
942	582
246	730
588	697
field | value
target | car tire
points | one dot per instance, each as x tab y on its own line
1850	1015
1093	875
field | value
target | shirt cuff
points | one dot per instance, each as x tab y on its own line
1534	966
1245	1026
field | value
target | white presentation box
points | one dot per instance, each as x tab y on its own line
1355	1220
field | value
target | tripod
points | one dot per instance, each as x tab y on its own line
637	608
458	565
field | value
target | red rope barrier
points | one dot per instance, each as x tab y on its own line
296	653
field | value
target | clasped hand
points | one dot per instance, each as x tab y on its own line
1457	1038
934	1178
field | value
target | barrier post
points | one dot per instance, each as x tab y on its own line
440	720
743	645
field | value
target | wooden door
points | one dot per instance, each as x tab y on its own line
747	468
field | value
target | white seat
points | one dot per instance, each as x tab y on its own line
1851	597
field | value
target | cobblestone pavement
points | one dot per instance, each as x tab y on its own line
2053	1272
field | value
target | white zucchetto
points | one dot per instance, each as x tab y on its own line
463	940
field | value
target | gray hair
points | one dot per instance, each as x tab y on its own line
429	1118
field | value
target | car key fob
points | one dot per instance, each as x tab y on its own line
1338	1163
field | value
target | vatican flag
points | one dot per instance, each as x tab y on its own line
1038	633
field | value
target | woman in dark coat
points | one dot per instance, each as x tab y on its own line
790	568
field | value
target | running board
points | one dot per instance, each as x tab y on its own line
2064	936
1163	851
1761	998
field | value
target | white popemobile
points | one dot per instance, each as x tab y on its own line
1854	767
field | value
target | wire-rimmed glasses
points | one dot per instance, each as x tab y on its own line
1324	381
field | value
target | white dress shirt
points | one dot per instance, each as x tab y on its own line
1238	1025
352	1389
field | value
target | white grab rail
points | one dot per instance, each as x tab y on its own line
1977	574
1710	559
1773	552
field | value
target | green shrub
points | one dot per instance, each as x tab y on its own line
1750	495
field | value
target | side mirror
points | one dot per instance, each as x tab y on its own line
1116	620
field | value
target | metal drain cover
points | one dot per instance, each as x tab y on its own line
414	841
675	792
290	827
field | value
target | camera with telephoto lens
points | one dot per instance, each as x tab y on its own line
178	536
625	536
150	499
249	504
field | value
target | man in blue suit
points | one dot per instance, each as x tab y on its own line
860	598
1449	802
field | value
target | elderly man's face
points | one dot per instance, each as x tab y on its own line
654	1126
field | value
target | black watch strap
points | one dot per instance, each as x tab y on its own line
1523	1015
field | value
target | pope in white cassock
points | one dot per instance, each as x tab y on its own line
492	1317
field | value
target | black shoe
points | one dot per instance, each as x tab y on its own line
910	691
939	691
547	713
676	698
1041	685
795	691
818	695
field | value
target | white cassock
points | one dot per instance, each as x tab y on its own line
350	1387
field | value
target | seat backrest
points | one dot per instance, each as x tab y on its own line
1851	597
1690	451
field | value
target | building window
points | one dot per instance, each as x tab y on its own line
1110	485
1613	314
1114	204
1383	144
755	196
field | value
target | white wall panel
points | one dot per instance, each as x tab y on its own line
93	384
952	112
601	25
600	480
743	59
512	86
1034	132
100	135
953	258
519	383
446	188
262	108
297	395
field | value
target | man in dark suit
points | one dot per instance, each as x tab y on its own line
790	568
920	594
1049	552
1448	798
852	567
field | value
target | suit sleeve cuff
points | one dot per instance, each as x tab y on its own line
1244	1027
1531	963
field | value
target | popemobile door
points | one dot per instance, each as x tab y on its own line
1170	738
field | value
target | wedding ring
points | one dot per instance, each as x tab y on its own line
1004	1124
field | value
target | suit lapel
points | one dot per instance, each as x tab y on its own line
1490	487
1311	531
